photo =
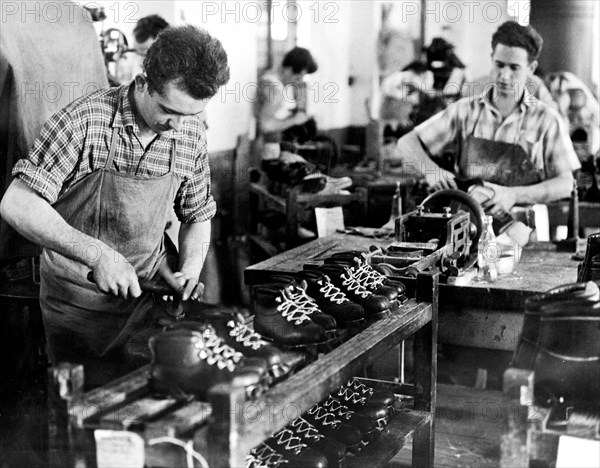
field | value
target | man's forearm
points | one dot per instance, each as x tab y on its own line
194	241
34	218
547	191
416	162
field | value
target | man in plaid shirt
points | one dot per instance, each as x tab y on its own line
515	143
99	185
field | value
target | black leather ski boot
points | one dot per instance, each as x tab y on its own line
374	305
278	316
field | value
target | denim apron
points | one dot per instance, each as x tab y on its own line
128	213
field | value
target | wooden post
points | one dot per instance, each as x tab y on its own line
425	371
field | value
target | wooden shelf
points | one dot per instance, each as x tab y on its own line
391	440
240	425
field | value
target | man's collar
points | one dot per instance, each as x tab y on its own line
124	116
527	98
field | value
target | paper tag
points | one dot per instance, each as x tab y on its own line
574	452
119	449
329	220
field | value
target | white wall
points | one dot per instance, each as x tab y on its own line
233	23
469	26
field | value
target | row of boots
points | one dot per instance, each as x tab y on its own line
191	356
344	423
307	307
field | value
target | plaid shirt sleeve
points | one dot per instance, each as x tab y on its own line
53	157
559	154
194	202
439	130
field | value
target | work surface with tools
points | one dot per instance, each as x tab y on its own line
478	314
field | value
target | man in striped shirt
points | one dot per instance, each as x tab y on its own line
98	187
505	136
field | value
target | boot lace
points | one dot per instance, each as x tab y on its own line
298	293
215	352
291	310
245	335
321	414
353	285
332	292
266	456
306	429
364	273
357	386
335	406
350	395
289	441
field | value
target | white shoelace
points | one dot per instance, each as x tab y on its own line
290	310
268	456
326	418
245	335
357	386
368	276
298	293
215	352
332	292
290	442
350	395
306	429
336	406
353	285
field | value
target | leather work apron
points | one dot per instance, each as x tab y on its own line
128	213
496	161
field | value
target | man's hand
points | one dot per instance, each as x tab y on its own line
503	199
444	183
190	287
113	274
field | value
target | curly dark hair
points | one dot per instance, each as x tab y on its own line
191	57
300	59
149	27
512	34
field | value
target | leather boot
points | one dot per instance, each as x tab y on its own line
567	364
331	299
295	451
190	360
379	396
332	426
298	293
374	305
279	317
232	328
263	456
357	402
369	277
365	423
333	449
525	352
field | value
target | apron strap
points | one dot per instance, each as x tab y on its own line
113	146
173	157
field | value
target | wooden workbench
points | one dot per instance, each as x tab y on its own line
481	315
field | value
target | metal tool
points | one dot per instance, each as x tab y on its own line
171	287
